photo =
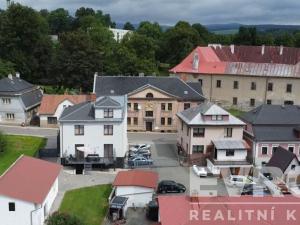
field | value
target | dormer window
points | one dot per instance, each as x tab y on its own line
217	117
149	95
108	113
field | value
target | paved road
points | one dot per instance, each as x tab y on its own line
157	138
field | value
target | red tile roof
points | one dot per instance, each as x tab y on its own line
50	102
247	60
29	179
139	178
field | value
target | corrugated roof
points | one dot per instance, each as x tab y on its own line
29	179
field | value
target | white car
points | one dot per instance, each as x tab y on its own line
238	180
200	171
140	147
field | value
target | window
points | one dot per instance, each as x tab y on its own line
253	86
234	100
162	121
289	88
269	101
10	116
170	106
129	105
108	129
135	121
149	113
128	121
200	81
291	148
288	102
252	102
163	106
135	106
217	117
108	113
229	152
198	148
293	167
219	84
228	132
270	86
264	150
79	129
274	148
169	121
235	84
198	132
11	206
186	106
52	120
6	101
149	95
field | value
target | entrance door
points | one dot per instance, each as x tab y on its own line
148	126
108	151
79	154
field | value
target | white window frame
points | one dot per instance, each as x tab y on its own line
10	116
276	145
6	101
261	151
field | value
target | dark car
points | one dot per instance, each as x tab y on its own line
253	189
169	186
139	161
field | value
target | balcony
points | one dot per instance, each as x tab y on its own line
89	160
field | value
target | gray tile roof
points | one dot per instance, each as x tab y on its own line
275	133
107	102
196	86
122	85
281	159
273	114
80	112
14	86
32	98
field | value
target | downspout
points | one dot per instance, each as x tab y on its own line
31	217
210	94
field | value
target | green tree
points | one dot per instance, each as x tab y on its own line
204	34
6	68
285	39
246	36
128	26
59	21
297	39
59	218
152	30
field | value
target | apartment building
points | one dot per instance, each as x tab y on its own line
152	101
244	77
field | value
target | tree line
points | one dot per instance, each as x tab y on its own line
86	45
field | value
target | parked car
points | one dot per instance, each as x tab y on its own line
238	180
139	161
144	152
200	171
140	147
169	186
254	189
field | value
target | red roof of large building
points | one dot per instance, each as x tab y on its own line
138	178
50	102
242	60
29	179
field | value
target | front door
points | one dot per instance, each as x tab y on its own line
148	126
79	154
108	151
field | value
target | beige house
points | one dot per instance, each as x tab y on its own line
244	77
209	134
152	101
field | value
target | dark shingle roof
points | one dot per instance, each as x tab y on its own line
122	85
275	133
196	86
32	98
107	102
80	112
273	115
281	159
14	85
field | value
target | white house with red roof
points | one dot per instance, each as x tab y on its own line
137	185
27	191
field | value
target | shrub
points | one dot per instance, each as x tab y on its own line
59	218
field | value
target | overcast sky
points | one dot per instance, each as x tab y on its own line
170	11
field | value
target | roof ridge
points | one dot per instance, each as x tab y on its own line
191	87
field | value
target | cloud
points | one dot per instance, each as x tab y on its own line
170	11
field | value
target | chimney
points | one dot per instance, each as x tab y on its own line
17	74
263	49
232	49
281	50
196	61
10	76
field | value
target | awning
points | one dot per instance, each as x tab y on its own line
86	150
230	144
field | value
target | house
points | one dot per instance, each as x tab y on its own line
137	186
152	101
209	133
270	126
119	33
94	133
244	77
52	107
20	100
27	191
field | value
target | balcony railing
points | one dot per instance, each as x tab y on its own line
70	160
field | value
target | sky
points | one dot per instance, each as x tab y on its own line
168	12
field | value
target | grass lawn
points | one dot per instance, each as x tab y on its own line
236	112
19	145
89	204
